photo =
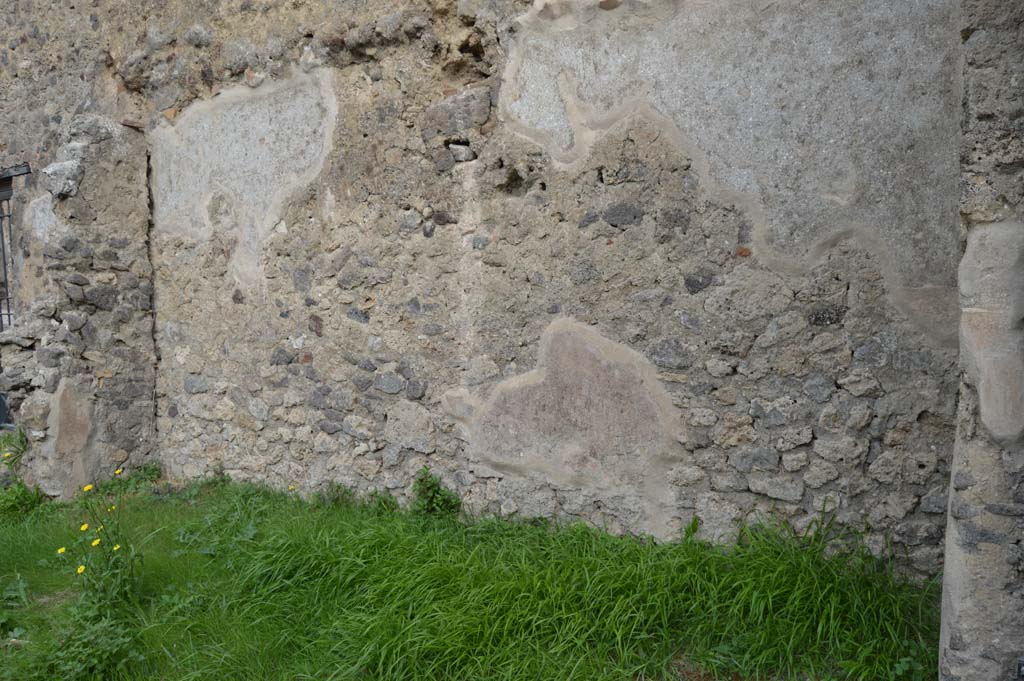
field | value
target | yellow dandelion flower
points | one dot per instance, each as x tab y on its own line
62	549
7	455
84	527
117	547
96	542
81	569
291	488
119	471
87	488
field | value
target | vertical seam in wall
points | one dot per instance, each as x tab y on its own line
155	442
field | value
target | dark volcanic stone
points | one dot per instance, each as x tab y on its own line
281	356
671	353
355	314
698	281
623	214
415	389
827	315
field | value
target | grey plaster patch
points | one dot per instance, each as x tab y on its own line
591	417
811	115
231	162
67	460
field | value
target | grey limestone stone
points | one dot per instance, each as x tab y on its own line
747	459
195	385
198	36
389	382
454	114
820	473
782	487
62	178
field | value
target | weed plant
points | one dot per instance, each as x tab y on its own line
241	582
17	500
13	445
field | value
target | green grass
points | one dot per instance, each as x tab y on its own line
245	583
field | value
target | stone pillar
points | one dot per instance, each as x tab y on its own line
983	590
983	598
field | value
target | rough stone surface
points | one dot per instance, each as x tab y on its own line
80	369
364	229
463	307
580	68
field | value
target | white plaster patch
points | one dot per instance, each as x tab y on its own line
42	221
231	162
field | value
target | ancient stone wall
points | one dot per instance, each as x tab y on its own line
983	604
621	261
79	365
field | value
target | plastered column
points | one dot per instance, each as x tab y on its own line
983	599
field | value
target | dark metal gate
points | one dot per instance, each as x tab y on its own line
7	176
